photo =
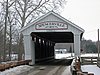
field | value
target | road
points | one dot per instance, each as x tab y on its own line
55	67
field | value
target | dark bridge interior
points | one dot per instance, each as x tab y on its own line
45	42
57	37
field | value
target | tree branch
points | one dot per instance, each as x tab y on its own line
18	21
19	13
20	6
10	4
38	6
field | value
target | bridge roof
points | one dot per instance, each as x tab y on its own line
55	14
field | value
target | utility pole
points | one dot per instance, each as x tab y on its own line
6	16
98	43
98	60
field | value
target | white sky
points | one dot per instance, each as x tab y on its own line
86	14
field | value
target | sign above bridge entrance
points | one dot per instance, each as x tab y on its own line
51	25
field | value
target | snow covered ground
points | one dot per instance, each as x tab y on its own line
91	69
89	55
85	68
68	55
67	71
17	70
61	56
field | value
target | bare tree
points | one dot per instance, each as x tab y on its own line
28	10
6	15
1	35
11	28
5	6
1	41
10	20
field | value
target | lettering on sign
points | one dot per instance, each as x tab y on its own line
51	25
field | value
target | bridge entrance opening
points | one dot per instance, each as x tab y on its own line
45	43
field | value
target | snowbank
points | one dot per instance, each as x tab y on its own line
19	70
68	55
89	55
91	69
61	56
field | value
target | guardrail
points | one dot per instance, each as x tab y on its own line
89	60
13	64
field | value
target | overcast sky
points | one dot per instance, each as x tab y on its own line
86	14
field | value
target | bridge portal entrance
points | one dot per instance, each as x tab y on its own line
41	36
45	42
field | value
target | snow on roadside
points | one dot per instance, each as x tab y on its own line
68	55
16	70
91	69
67	71
89	55
60	56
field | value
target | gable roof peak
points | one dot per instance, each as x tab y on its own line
55	14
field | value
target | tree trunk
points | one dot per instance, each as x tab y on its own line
10	43
20	50
6	16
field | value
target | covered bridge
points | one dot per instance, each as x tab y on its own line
41	36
